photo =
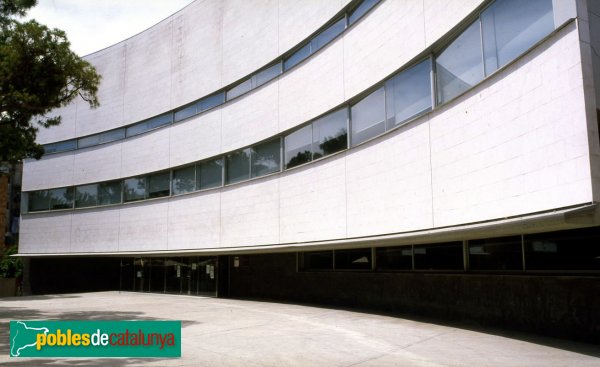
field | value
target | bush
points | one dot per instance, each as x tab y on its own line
10	267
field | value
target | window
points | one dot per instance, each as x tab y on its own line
109	193
239	89
408	94
158	184
88	141
112	135
266	158
61	198
510	27
316	260
86	195
150	124
298	147
185	112
327	35
134	189
394	258
330	133
38	200
460	66
446	256
61	146
356	259
360	10
211	101
368	117
564	250
265	75
211	173
496	254
184	180
238	166
297	57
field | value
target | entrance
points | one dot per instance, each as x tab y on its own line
195	275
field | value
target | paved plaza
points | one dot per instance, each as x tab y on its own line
224	332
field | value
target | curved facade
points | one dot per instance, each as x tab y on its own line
414	124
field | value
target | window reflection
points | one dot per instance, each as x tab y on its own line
86	195
408	94
266	158
368	117
109	192
330	133
211	173
134	189
184	180
238	166
158	184
61	198
298	147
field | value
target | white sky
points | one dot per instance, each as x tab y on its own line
92	25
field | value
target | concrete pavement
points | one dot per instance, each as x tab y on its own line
223	332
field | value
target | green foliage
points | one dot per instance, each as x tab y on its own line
38	73
10	267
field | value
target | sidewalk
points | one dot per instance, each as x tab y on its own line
222	332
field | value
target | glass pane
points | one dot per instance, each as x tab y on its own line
211	101
38	200
460	67
157	274
364	7
86	195
158	184
185	112
298	56
161	120
448	256
298	147
61	146
368	117
394	258
265	75
577	249
88	141
316	260
112	135
496	254
238	166
327	35
357	259
109	193
266	158
510	27
330	133
137	129
408	94
184	180
211	173
61	198
134	189
239	89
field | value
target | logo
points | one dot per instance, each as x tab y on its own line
95	338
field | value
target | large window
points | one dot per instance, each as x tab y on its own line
460	66
134	189
356	259
211	173
86	195
238	166
510	27
445	256
496	254
109	192
394	258
298	147
38	200
408	94
266	158
316	260
368	117
61	198
330	133
564	250
184	180
159	184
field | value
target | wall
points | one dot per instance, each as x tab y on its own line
562	306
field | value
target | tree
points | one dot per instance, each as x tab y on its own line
38	73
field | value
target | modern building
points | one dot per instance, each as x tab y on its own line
437	158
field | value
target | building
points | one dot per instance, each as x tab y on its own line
420	157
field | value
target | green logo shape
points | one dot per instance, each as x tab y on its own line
45	338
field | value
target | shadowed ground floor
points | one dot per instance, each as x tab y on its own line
226	332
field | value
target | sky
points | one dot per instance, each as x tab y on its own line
92	25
